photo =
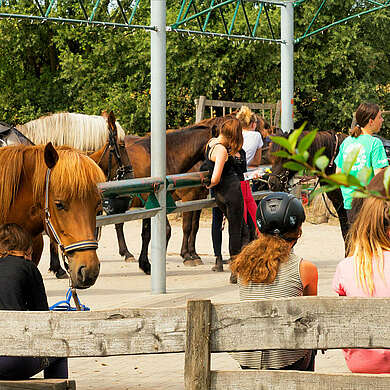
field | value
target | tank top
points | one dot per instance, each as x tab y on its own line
287	284
234	166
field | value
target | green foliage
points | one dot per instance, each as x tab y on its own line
47	68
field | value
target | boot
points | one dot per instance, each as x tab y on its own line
218	267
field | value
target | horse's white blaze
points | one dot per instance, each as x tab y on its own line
80	131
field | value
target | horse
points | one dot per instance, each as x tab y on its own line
79	131
54	190
112	158
280	176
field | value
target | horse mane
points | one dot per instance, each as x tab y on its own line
74	176
80	131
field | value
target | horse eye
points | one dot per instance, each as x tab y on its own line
59	205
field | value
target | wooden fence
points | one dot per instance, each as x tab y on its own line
270	111
203	328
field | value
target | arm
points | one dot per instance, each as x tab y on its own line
219	156
309	277
256	160
37	299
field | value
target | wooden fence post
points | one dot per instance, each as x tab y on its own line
197	349
200	106
277	114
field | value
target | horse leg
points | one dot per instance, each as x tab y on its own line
184	252
192	238
123	251
55	265
337	200
143	260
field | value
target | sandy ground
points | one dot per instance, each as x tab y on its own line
121	284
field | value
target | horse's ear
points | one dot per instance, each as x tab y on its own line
104	114
111	122
51	155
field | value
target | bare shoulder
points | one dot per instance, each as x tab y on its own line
308	270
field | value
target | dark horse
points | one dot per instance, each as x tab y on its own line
280	177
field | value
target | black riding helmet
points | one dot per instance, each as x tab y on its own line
279	213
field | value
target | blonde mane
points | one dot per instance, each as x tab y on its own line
74	176
80	131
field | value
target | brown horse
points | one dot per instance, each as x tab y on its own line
54	190
185	147
112	158
280	177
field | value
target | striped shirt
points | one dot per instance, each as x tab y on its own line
287	284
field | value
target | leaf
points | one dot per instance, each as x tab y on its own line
282	142
358	194
322	189
317	154
298	157
282	153
293	166
306	141
350	160
339	178
293	137
322	162
364	175
386	180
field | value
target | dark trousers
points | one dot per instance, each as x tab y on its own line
229	200
19	368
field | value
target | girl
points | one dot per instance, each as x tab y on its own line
268	268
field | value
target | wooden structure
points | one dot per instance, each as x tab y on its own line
203	328
270	111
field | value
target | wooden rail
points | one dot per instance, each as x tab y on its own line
274	108
203	328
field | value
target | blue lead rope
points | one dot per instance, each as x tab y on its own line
66	306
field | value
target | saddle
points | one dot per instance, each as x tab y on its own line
9	135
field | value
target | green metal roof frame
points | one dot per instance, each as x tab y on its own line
228	18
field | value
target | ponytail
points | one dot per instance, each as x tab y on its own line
356	131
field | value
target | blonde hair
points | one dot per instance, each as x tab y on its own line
367	239
259	261
246	116
231	130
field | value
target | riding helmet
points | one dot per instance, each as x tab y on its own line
279	213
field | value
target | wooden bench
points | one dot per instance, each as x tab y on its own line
270	111
39	384
203	328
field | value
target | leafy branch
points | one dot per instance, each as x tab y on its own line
298	159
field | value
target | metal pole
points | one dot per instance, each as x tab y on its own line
158	143
287	65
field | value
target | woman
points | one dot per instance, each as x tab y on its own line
223	155
268	268
366	273
371	151
21	288
252	144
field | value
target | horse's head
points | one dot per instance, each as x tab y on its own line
72	202
280	176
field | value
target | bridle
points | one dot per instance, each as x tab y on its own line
123	171
51	232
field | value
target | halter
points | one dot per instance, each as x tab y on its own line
49	228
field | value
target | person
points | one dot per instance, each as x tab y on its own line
252	144
268	268
371	151
223	155
21	288
366	272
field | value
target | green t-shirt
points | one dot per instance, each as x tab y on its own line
372	155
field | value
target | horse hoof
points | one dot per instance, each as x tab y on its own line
186	257
61	274
217	268
130	259
195	256
146	268
233	279
198	262
189	263
225	261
